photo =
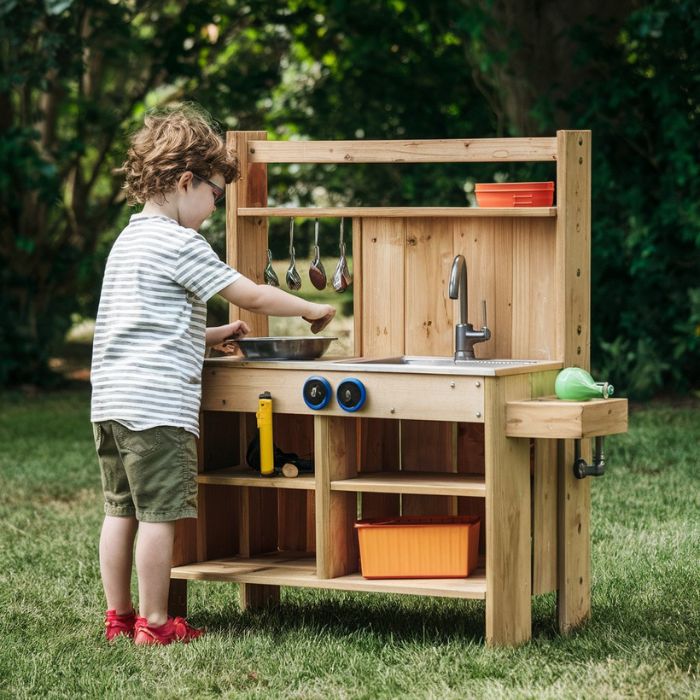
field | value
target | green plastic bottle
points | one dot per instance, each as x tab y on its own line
575	384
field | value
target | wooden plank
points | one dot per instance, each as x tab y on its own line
444	397
335	458
177	598
258	520
487	248
217	523
508	555
279	570
413	151
246	238
379	449
397	212
292	434
470	460
244	476
383	247
534	296
429	319
427	482
428	443
552	418
428	330
357	290
573	243
544	500
256	596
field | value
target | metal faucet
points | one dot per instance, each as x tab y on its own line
465	335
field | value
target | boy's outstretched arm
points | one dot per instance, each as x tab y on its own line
271	301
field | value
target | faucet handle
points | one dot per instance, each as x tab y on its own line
483	312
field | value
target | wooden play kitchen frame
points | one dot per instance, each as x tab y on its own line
435	442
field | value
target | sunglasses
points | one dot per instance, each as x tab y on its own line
218	192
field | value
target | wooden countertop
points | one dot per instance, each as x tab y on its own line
361	365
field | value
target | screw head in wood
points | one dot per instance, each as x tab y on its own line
477	384
478	414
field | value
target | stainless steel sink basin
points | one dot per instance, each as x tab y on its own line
431	361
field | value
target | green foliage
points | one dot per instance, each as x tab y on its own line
77	77
643	104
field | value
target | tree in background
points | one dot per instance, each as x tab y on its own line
77	75
628	71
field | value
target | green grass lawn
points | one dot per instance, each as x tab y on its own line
643	639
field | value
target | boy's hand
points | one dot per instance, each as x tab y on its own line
235	330
323	313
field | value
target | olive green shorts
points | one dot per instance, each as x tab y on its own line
150	474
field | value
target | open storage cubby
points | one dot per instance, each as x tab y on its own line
427	442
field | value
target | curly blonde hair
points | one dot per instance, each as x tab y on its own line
172	141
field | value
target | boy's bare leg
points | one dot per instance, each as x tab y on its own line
116	558
154	556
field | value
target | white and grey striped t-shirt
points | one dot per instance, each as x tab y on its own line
150	331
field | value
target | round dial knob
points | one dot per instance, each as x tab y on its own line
317	393
351	394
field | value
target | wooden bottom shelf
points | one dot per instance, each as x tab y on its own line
290	569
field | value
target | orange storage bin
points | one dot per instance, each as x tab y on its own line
514	194
437	546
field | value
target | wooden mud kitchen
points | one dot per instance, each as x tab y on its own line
433	436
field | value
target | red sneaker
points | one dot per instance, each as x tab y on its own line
176	629
116	625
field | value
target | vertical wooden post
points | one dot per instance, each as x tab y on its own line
544	500
508	555
335	458
573	253
246	250
246	238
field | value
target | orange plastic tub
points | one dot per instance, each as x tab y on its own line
437	546
514	194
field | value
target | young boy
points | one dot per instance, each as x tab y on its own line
149	346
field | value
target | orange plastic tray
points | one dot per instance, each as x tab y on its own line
514	194
438	546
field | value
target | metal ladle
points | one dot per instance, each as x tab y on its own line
270	274
317	273
293	279
342	278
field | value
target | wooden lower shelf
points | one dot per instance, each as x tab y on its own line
290	569
420	483
243	476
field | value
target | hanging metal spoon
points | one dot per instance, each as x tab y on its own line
293	279
317	273
342	278
270	274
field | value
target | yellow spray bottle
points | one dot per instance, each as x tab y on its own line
264	416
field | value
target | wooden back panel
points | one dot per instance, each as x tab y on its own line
405	271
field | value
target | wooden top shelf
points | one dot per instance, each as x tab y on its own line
290	569
243	476
398	212
433	483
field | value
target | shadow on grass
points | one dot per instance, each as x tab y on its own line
386	617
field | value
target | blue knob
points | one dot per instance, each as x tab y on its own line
317	393
351	395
